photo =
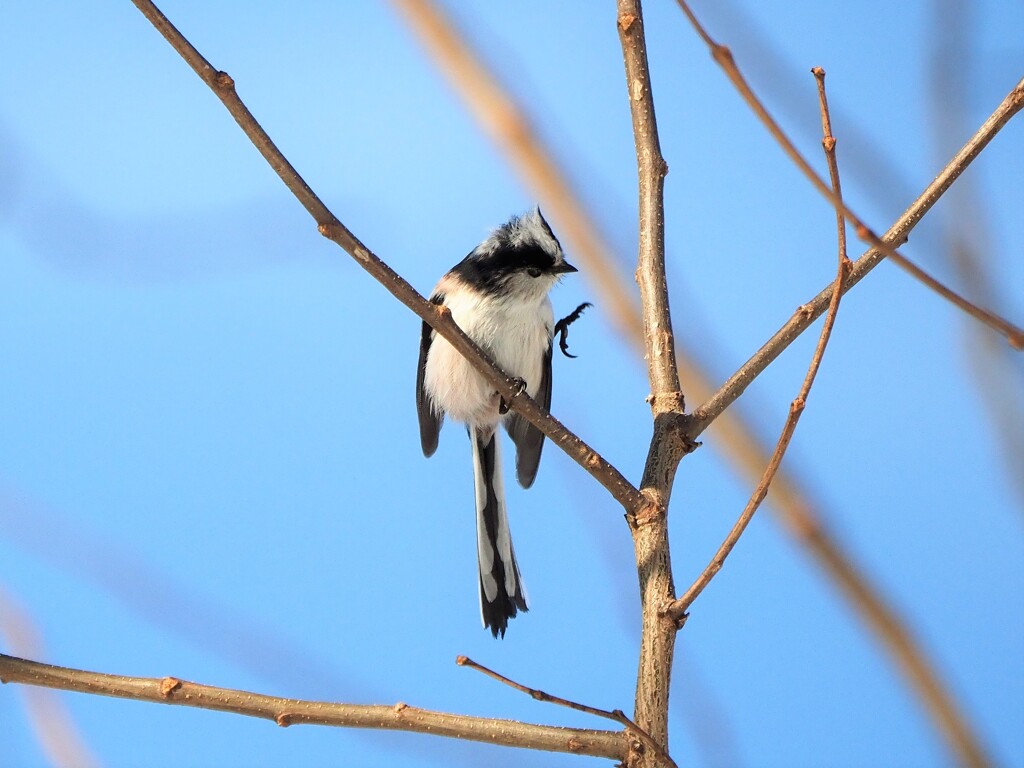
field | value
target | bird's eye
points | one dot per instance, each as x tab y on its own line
533	272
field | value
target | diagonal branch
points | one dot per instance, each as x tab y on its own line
440	320
285	712
943	708
897	233
535	693
723	57
677	610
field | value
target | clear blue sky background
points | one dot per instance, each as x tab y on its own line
209	464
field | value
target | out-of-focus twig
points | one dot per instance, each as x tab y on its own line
966	235
677	610
611	714
723	56
57	734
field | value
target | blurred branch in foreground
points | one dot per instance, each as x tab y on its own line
967	239
57	734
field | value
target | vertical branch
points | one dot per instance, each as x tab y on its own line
652	168
650	524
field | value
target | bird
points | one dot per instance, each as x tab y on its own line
498	296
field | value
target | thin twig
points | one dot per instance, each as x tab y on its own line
440	320
285	712
677	610
650	525
506	121
613	714
897	233
723	56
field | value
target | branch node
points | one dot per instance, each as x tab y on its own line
401	706
168	686
797	405
573	744
284	719
223	82
722	54
667	402
626	21
651	512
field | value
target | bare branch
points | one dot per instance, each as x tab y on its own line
723	56
285	712
439	319
651	172
614	714
897	233
677	610
650	525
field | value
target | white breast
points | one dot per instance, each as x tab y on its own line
515	333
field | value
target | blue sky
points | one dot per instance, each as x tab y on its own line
209	464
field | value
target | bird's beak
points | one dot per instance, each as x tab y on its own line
564	268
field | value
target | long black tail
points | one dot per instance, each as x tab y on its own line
501	587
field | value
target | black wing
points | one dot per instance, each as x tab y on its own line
528	439
430	421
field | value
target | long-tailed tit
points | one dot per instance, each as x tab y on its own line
498	295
